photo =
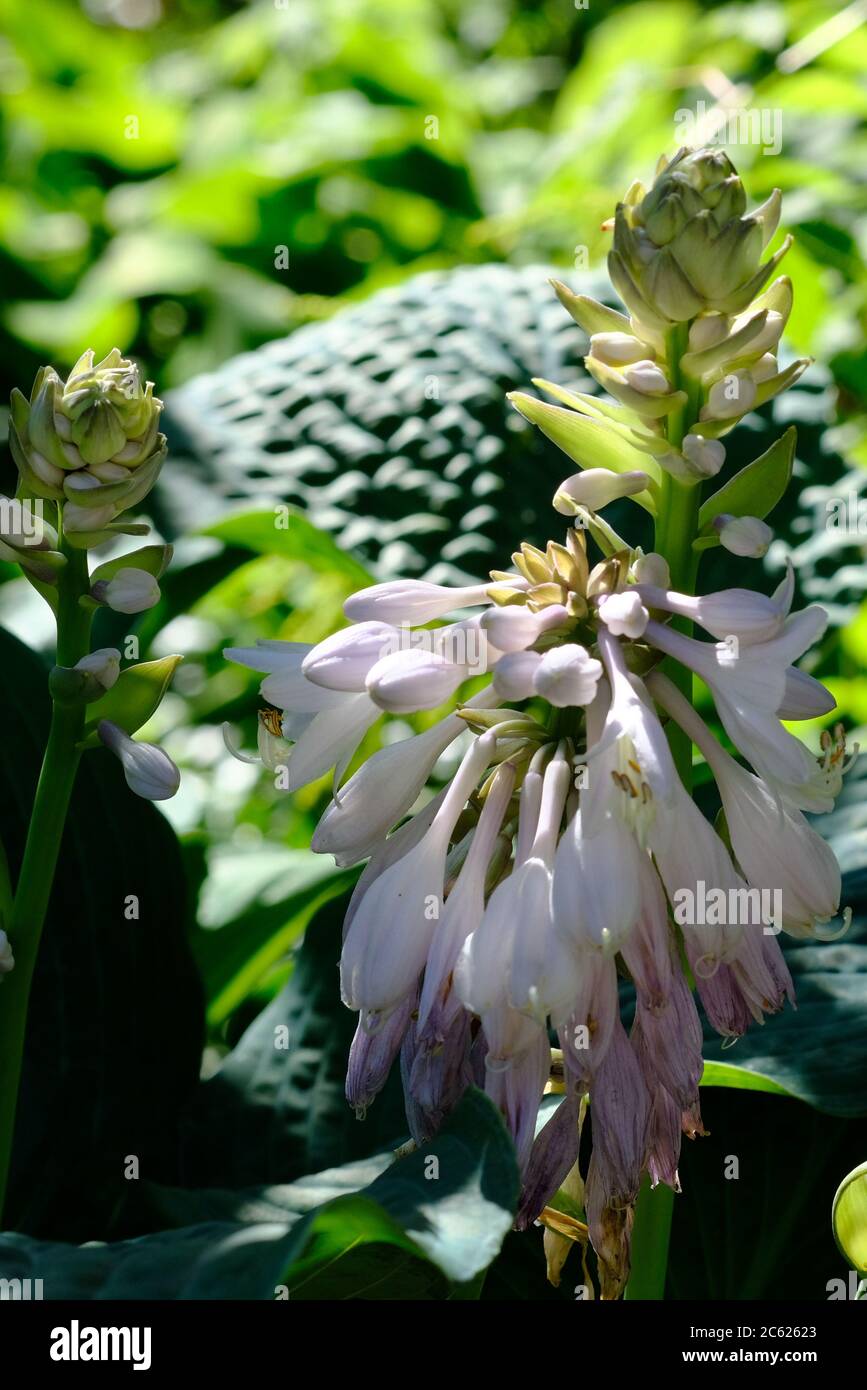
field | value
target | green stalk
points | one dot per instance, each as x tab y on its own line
36	879
676	528
650	1239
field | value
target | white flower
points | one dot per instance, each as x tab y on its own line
743	535
567	676
328	740
707	456
631	767
103	664
624	613
544	969
646	377
595	898
390	935
805	697
129	591
385	788
748	691
411	680
596	487
515	673
694	866
617	349
465	904
773	844
411	601
740	613
7	960
285	684
513	629
327	725
149	772
343	660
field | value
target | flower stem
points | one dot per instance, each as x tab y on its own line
36	879
650	1238
676	527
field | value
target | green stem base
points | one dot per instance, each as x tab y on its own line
650	1240
36	879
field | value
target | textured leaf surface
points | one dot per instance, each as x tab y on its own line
425	1220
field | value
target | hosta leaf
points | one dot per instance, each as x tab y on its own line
426	1220
739	1079
271	1113
286	531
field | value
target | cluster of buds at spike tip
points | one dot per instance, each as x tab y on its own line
700	335
87	450
91	444
565	851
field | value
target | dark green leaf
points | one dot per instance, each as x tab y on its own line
115	1032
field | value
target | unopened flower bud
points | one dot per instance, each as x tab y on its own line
743	535
406	681
103	665
765	368
687	246
567	676
769	337
624	614
149	772
652	569
706	455
596	487
646	377
91	442
129	591
617	349
515	673
88	680
707	331
515	629
732	396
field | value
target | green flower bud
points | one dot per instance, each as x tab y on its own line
28	540
686	247
849	1217
92	442
88	680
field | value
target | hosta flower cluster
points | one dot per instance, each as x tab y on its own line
565	851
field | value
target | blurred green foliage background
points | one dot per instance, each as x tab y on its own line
187	179
158	154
